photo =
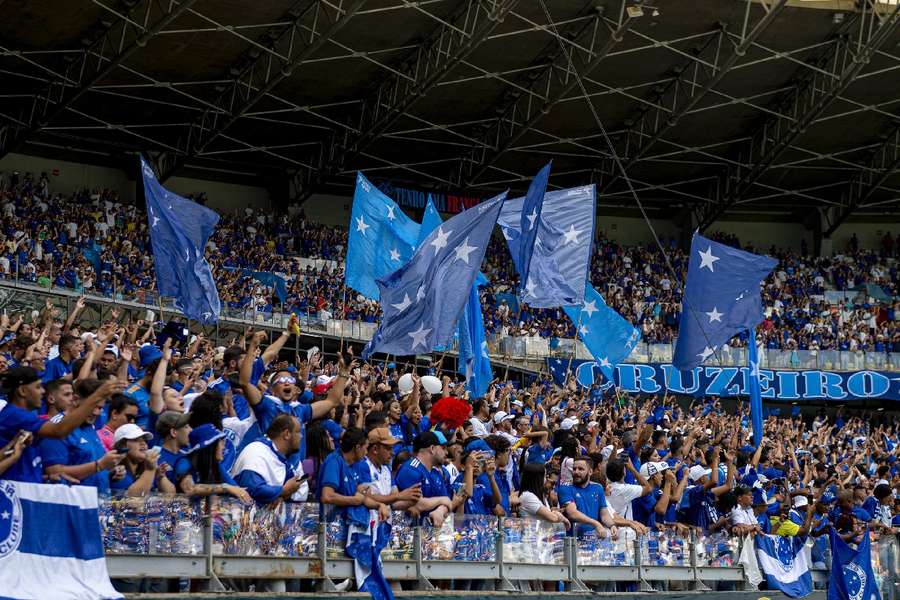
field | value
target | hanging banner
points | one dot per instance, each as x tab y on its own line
732	381
444	203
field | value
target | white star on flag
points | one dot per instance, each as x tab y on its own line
390	214
572	235
754	369
406	303
583	330
529	287
464	250
604	362
420	293
531	218
419	336
395	256
714	315
707	259
590	308
361	225
440	240
707	352
155	221
484	350
470	373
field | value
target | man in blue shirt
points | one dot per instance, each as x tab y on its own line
700	508
173	433
139	391
425	469
23	389
494	476
339	483
80	456
70	348
585	502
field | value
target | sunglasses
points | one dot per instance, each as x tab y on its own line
285	379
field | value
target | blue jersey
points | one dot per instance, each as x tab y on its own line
142	396
434	482
13	419
502	486
700	510
643	509
56	368
589	500
477	503
179	465
343	479
80	447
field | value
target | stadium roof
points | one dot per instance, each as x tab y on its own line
717	106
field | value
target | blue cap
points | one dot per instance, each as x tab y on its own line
759	497
148	354
203	436
479	445
391	366
221	386
828	498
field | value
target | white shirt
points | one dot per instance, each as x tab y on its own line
530	504
480	429
381	479
620	496
743	516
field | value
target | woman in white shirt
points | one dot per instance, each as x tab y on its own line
531	496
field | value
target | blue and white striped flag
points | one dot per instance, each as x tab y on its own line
785	562
50	543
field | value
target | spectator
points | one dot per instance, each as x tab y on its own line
122	410
425	471
142	472
262	467
206	475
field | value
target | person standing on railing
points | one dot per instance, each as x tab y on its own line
425	470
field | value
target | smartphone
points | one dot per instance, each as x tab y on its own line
303	477
121	450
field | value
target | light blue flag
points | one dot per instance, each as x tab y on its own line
721	298
562	252
474	361
785	564
756	409
382	238
529	221
179	230
609	338
431	220
50	542
422	301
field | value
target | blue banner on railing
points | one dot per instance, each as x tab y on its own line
732	381
445	203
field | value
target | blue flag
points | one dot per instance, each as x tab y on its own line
852	577
179	230
431	220
785	564
276	282
422	300
608	337
721	299
50	542
562	250
364	546
382	238
92	255
756	411
529	222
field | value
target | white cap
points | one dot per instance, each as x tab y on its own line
189	399
652	468
130	431
568	423
698	471
502	416
87	336
800	501
517	403
112	349
323	380
607	450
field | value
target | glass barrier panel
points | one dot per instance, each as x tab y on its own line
289	529
533	541
595	551
155	524
461	537
402	544
665	547
717	550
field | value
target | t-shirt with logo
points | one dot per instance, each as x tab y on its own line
343	479
80	447
589	500
433	482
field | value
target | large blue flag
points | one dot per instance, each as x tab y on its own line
608	337
50	542
422	300
529	221
276	282
474	362
364	546
721	298
785	564
179	230
382	238
562	250
852	577
756	408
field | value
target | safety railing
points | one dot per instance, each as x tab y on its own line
176	537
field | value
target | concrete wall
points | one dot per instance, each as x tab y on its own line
328	209
222	197
631	230
764	234
869	234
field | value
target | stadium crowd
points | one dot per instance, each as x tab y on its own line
96	244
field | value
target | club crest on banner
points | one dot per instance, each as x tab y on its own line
855	577
10	519
784	548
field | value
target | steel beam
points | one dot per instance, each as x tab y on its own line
885	162
117	41
690	84
835	71
452	42
311	24
555	82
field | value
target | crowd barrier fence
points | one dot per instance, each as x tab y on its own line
175	537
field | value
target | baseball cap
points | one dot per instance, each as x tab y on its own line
517	403
568	423
698	471
203	436
800	501
382	435
502	416
148	354
652	468
607	450
130	431
17	376
479	445
112	349
426	439
170	420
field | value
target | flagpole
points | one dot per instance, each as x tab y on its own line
343	307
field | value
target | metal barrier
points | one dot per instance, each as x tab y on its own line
171	537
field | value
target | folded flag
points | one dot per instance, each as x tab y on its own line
179	230
785	563
381	239
50	543
364	546
852	577
721	298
